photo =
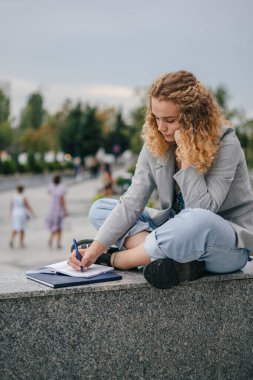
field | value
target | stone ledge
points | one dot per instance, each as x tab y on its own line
16	285
127	330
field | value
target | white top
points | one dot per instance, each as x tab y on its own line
19	213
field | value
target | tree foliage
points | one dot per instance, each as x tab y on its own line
4	107
245	135
40	141
138	120
81	132
6	135
117	140
223	97
32	116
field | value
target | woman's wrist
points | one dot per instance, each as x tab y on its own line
97	248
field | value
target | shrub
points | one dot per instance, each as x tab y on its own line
23	168
53	166
39	167
8	167
120	181
36	166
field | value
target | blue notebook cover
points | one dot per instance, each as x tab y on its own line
63	281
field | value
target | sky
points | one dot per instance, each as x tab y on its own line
106	52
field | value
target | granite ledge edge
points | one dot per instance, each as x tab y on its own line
130	281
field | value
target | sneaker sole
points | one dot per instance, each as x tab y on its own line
166	273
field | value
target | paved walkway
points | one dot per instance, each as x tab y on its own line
37	253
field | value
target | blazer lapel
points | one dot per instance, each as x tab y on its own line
165	169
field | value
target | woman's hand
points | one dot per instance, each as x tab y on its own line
89	256
177	137
183	164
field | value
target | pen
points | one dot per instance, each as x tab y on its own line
78	256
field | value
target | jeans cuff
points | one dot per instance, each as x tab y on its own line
151	247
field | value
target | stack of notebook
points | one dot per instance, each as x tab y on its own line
59	275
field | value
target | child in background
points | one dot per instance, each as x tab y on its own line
20	209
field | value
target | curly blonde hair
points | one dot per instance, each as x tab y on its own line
200	120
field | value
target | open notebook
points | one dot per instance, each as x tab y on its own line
63	268
60	275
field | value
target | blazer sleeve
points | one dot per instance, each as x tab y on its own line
131	204
210	190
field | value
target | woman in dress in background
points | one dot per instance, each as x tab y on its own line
20	209
57	211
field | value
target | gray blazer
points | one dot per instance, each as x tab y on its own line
224	190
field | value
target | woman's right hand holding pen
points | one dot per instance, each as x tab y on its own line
89	256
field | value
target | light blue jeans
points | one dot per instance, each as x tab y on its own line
193	234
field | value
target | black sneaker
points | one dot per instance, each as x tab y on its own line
104	259
166	273
85	243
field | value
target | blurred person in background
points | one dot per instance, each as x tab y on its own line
57	211
108	180
77	167
94	168
20	213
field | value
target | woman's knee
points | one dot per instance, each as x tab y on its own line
191	221
213	226
191	231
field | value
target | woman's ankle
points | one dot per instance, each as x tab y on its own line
112	259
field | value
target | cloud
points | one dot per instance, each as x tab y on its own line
102	95
111	91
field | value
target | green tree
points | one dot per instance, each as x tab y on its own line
138	120
28	141
4	107
244	129
107	118
54	126
32	116
81	132
223	97
245	135
6	135
92	135
6	132
117	140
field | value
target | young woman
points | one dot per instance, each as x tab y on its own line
195	161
